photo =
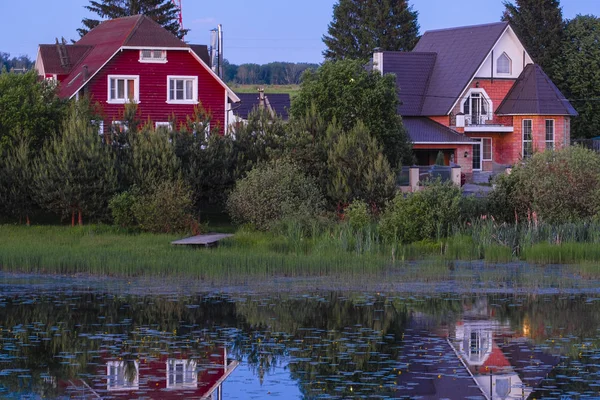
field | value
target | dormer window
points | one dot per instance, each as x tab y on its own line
477	107
504	64
153	56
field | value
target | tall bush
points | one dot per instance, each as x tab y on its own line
558	186
427	214
273	192
16	182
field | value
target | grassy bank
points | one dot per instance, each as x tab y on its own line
292	90
105	250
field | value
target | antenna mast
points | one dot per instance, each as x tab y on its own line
180	18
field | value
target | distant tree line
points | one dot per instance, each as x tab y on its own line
275	73
8	63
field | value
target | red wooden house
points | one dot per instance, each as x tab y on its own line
136	59
475	94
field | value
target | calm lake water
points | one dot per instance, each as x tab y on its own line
92	338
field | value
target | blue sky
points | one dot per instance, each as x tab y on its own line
258	31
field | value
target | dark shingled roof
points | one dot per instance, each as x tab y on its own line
412	72
535	94
201	51
51	58
280	103
425	130
460	52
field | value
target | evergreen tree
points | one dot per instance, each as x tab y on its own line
361	26
76	171
576	73
539	24
358	168
163	12
16	182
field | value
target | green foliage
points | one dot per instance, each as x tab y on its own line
558	186
345	92
539	25
358	168
273	192
361	26
165	208
439	159
426	214
164	12
275	73
29	110
150	158
76	171
576	73
357	215
21	63
16	182
121	208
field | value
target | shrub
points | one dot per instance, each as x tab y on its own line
357	215
559	186
121	208
166	208
273	192
427	214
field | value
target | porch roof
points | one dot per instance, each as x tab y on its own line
423	130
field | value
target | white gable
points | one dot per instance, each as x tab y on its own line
510	44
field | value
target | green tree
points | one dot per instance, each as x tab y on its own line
272	192
576	73
164	12
358	168
76	173
539	24
361	26
29	109
16	182
345	92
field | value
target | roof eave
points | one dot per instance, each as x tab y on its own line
232	96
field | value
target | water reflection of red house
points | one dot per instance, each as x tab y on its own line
165	377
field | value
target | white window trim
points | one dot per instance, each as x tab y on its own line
189	370
99	124
553	141
194	91
490	114
136	95
111	385
161	60
167	125
523	137
120	123
510	65
491	148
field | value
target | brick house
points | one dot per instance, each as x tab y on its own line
475	94
136	59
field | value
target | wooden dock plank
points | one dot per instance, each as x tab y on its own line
208	239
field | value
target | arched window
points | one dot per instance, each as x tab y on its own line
504	64
477	107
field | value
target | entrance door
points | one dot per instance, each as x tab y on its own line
477	155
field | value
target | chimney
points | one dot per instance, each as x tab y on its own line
378	60
86	73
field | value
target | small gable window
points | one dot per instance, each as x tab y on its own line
153	56
504	64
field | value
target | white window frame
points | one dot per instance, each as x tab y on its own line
483	140
553	141
167	125
527	141
194	79
152	59
189	374
121	126
117	381
509	65
100	124
136	89
484	97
